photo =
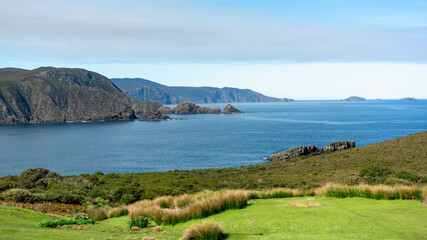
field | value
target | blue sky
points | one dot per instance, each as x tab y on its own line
218	43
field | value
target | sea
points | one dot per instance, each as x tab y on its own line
205	141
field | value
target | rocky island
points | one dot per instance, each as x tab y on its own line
354	98
408	99
54	95
311	150
191	108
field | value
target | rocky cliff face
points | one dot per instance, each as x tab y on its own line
143	89
311	150
59	95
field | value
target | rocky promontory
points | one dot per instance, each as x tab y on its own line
53	95
230	109
191	108
311	150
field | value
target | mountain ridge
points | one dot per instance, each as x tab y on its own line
143	89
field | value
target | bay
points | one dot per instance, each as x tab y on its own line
205	141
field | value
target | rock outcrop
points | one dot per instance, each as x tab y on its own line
152	116
165	110
191	108
311	150
408	99
52	95
145	90
230	109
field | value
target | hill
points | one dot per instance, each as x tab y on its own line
50	94
146	90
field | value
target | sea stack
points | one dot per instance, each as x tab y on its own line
230	109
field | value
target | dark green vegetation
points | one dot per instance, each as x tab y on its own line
49	223
402	160
146	90
50	94
288	218
140	221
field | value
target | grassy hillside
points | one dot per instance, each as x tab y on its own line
401	160
290	218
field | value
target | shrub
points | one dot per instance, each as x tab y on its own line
409	175
97	214
396	181
30	176
375	174
8	182
208	230
118	212
140	221
81	216
18	195
61	222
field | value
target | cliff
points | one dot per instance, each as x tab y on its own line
54	95
143	89
311	150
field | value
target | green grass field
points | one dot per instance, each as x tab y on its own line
289	218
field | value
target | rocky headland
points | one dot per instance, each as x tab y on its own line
311	150
54	95
153	115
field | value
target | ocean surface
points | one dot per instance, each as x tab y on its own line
205	141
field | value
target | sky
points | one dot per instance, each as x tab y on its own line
301	49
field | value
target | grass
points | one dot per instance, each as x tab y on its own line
287	218
206	230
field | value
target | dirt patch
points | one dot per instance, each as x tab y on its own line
305	204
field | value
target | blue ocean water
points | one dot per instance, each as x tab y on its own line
205	141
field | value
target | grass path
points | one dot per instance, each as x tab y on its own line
289	218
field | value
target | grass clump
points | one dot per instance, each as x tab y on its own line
118	212
375	191
208	230
186	207
48	223
139	221
98	214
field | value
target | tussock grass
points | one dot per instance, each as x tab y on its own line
117	212
98	214
376	191
172	210
208	230
187	207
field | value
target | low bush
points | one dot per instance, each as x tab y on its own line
208	230
139	221
18	195
117	212
51	208
81	216
61	222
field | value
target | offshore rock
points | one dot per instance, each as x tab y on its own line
311	150
229	109
191	108
152	116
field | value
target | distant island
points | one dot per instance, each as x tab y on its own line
146	90
408	99
354	98
53	95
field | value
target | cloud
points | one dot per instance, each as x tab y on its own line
180	31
